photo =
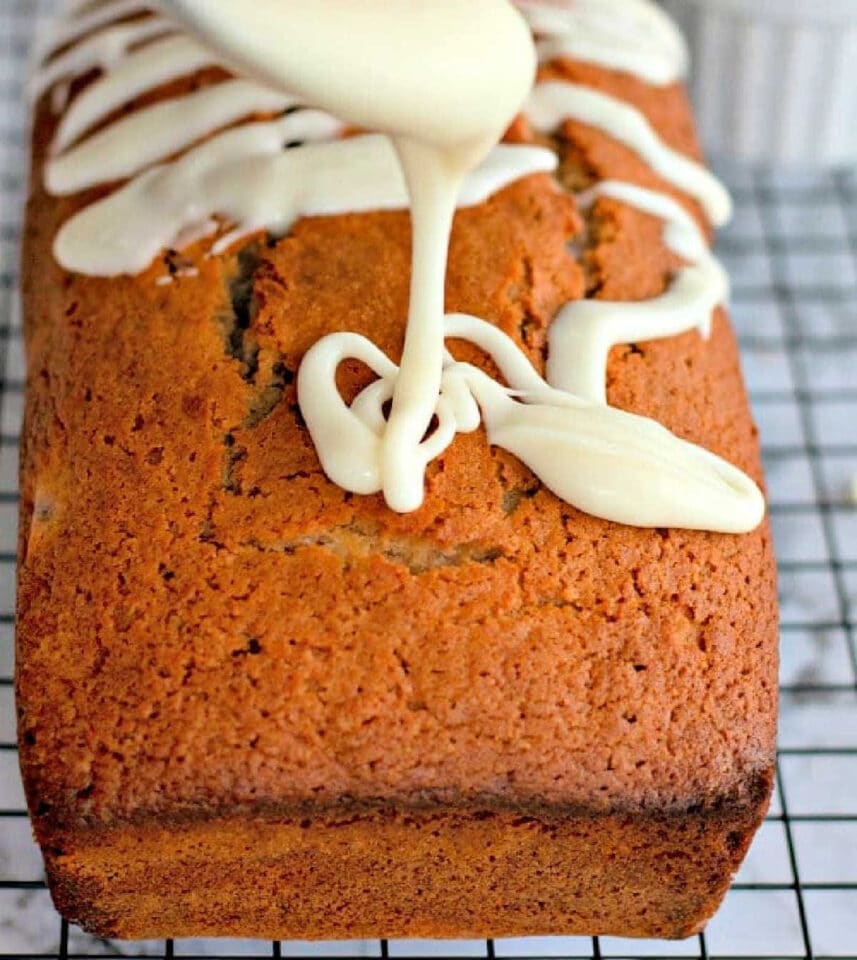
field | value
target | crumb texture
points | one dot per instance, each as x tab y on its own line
209	628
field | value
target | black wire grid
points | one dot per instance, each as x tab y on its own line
792	252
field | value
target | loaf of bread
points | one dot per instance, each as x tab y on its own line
254	704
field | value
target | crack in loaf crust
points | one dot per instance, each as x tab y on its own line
253	704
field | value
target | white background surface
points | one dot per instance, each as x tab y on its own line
792	251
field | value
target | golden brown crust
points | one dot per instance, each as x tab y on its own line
206	623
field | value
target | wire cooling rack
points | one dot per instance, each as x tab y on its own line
792	252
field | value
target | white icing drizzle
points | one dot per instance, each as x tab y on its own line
553	102
584	331
609	463
128	78
642	41
247	177
101	51
133	143
81	21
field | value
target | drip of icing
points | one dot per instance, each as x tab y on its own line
630	35
584	331
145	136
247	177
481	60
611	464
554	102
434	177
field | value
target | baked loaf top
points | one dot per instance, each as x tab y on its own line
206	621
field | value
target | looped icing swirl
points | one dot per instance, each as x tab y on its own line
586	452
186	166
